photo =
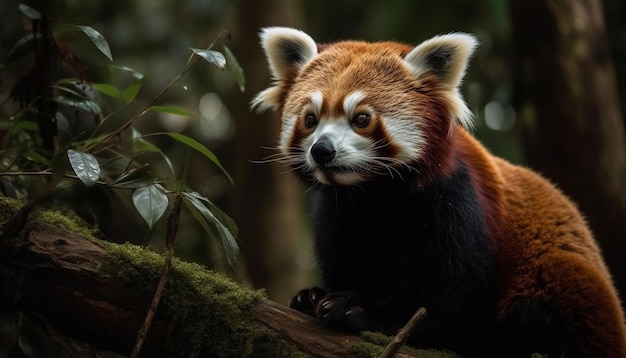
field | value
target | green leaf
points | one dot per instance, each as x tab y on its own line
107	89
82	104
130	93
22	47
90	141
171	110
213	226
95	37
221	216
151	202
134	179
97	40
29	12
190	142
36	157
232	65
21	124
27	125
137	75
85	166
71	89
214	57
142	145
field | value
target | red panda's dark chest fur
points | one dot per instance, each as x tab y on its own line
406	246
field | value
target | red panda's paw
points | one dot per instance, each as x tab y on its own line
307	300
342	311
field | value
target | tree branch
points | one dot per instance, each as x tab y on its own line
100	292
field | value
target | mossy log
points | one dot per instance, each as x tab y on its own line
99	292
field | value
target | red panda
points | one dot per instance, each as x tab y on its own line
410	210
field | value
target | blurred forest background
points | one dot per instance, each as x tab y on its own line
153	36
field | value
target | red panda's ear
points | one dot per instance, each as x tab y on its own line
446	57
287	50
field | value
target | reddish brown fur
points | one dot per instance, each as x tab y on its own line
542	246
545	250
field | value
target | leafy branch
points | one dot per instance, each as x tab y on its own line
149	195
101	158
214	57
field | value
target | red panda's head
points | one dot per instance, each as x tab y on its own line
352	111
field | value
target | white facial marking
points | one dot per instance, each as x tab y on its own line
287	128
352	100
407	136
317	99
290	121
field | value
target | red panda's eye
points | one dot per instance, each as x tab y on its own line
361	120
310	120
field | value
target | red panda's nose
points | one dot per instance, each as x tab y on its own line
323	151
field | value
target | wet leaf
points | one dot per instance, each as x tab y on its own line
136	74
82	104
221	216
96	38
232	65
213	226
22	47
85	166
29	12
214	57
151	202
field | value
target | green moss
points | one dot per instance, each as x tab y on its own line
432	353
376	338
58	217
374	343
65	220
206	312
365	350
8	207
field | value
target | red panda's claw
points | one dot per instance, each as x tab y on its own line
307	300
342	311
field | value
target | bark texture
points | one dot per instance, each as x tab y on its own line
82	288
567	100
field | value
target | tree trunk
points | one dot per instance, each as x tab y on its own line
267	205
567	101
99	292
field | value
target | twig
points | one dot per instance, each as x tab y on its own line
43	172
191	60
56	336
403	334
172	228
